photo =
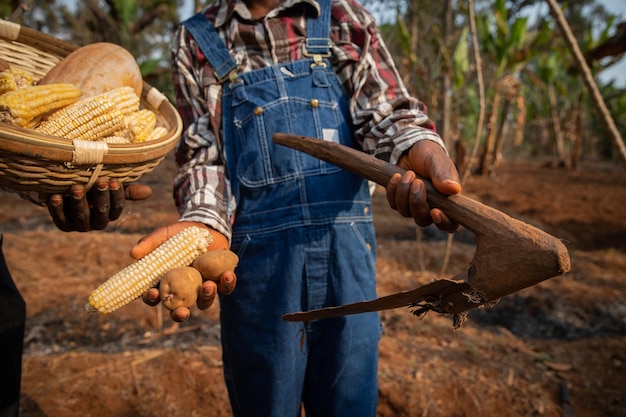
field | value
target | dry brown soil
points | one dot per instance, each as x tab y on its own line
558	348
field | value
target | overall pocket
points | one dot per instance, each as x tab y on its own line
290	101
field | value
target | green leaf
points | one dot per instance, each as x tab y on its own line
460	58
127	9
149	66
518	33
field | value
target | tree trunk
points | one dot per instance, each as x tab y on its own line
497	152
556	128
578	135
487	157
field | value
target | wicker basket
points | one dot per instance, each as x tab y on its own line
30	161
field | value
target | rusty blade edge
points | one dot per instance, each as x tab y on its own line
436	290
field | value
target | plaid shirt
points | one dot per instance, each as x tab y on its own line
387	120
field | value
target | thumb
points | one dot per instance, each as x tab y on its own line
153	240
437	166
137	191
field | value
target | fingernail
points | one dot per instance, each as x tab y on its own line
78	193
103	186
228	279
114	185
407	177
395	179
56	200
208	294
416	187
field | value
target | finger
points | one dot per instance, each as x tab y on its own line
180	314
137	191
418	205
391	189
443	222
56	210
443	174
79	217
227	283
151	297
207	295
151	241
403	191
116	196
100	204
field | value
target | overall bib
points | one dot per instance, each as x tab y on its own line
304	235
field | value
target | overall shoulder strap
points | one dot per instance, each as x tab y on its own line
211	45
318	32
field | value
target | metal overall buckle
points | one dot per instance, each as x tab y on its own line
318	59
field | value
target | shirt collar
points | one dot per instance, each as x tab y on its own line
228	9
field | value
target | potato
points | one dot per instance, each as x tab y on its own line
214	263
180	287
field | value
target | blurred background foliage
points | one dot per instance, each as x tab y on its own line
535	102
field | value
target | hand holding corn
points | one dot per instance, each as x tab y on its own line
166	253
224	283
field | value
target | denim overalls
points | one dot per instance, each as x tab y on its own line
303	231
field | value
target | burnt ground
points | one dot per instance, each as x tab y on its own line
558	348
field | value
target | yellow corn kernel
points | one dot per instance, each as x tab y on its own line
131	282
141	123
124	98
157	132
115	139
89	119
119	136
12	79
21	106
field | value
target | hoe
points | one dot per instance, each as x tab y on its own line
510	255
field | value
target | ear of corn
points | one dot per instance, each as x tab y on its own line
124	98
12	79
131	282
116	139
89	119
92	118
157	132
21	106
141	123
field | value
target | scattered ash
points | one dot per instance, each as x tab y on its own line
552	318
56	331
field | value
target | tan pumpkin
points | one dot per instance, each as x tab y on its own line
97	68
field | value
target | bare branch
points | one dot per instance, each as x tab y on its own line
100	14
148	18
20	10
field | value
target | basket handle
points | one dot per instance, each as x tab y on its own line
154	97
87	152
